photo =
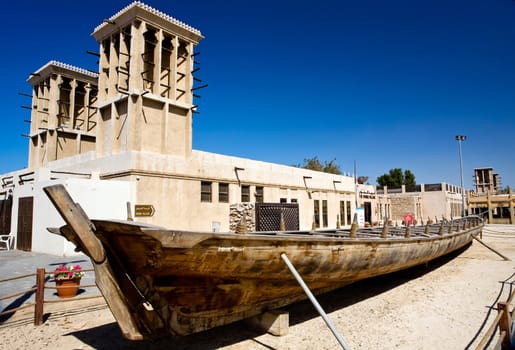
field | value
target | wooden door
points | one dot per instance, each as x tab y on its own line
25	211
5	215
368	212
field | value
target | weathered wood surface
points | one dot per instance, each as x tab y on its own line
80	231
199	280
221	278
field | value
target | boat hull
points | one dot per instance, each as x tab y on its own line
159	281
196	281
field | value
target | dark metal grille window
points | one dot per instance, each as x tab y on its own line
245	193
316	212
324	213
412	188
205	191
268	216
259	194
223	193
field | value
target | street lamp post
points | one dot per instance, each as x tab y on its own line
461	138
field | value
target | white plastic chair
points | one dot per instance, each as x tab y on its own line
7	240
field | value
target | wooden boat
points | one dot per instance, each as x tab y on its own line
164	281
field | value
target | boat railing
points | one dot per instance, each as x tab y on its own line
441	228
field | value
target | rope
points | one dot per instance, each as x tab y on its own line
17	277
19	293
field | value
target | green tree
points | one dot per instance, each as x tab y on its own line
312	164
315	164
396	178
409	178
332	167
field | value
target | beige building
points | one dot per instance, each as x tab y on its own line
121	142
487	201
486	180
422	202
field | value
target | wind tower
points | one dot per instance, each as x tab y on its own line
63	117
145	82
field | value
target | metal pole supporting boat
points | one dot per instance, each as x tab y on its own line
315	302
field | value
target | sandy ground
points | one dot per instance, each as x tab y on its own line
448	304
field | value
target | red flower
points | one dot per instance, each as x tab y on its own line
62	272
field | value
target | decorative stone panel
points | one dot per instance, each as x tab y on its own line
242	217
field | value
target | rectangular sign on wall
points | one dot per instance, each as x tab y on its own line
144	210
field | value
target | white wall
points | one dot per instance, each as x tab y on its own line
99	199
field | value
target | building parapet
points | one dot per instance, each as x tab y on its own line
437	187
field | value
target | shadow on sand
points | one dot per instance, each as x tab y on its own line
109	336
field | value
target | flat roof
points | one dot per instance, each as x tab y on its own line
50	66
139	9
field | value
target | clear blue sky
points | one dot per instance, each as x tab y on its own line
388	84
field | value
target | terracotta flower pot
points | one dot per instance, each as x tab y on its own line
67	288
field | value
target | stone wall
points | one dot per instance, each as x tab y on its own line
242	216
401	206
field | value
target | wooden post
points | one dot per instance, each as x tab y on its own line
440	230
129	212
505	324
384	232
354	227
82	234
40	296
408	232
489	205
282	224
74	216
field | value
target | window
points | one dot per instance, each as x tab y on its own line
342	213
205	191
245	193
223	193
349	221
316	212
283	200
259	194
293	200
324	213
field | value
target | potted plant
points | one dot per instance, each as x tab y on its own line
67	280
